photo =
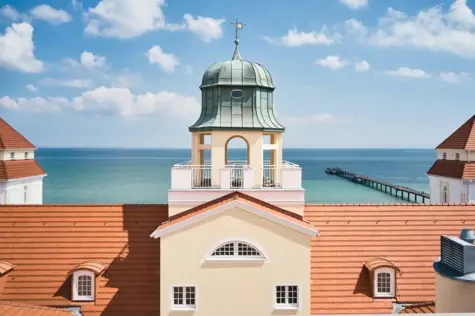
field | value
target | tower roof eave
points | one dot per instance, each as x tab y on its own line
462	138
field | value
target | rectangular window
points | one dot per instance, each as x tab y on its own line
286	296
457	156
384	283
25	194
12	155
26	155
184	297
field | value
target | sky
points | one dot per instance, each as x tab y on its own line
348	73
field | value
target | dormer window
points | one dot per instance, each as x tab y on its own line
84	280
382	277
457	156
444	156
236	250
84	285
12	155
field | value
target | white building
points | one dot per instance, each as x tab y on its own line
21	178
452	176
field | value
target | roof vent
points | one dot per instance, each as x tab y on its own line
467	235
457	254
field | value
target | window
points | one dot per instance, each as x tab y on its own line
184	297
457	156
12	155
384	282
286	297
237	94
83	286
463	197
25	194
445	194
26	155
236	250
444	156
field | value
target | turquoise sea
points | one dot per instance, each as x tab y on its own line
88	176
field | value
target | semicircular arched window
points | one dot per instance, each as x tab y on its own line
237	250
237	94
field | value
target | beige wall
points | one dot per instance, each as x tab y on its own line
233	288
19	154
454	296
464	155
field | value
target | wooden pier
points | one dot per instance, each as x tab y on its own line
398	191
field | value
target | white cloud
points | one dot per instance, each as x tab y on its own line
10	13
452	77
17	49
362	66
70	83
49	14
31	88
432	29
314	119
355	4
408	72
332	62
166	61
355	27
206	28
295	38
91	61
126	19
113	101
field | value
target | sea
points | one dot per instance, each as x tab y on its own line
116	176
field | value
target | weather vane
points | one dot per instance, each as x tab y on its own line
239	26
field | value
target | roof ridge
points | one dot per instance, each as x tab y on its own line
461	138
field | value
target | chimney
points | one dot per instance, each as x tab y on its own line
467	235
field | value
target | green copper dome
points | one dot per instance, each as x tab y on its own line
237	95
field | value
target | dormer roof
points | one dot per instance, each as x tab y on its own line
10	138
462	138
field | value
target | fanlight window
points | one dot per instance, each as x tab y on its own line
237	249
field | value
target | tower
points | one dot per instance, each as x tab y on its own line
21	178
237	102
452	176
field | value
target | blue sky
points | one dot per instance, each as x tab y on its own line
349	73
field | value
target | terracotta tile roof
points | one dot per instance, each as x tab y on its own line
13	169
15	309
453	169
11	139
92	265
203	208
5	267
426	308
46	242
376	263
350	235
462	138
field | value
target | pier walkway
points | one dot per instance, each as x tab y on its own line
398	191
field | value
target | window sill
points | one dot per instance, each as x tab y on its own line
183	309
286	308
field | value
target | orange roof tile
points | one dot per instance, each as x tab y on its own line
5	267
11	139
462	138
92	265
13	169
10	308
426	308
350	235
453	169
203	208
45	242
376	263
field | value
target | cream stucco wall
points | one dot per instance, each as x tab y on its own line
453	296
235	288
464	155
455	186
19	154
13	191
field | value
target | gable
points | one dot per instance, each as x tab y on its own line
462	138
11	139
236	201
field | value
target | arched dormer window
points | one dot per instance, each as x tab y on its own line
382	277
236	250
84	280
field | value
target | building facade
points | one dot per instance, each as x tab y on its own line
21	178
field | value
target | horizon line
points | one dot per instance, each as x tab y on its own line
188	148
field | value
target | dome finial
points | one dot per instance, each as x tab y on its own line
239	26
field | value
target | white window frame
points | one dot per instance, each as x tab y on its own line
444	189
25	194
457	156
235	257
26	155
84	298
463	197
392	278
286	305
184	306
